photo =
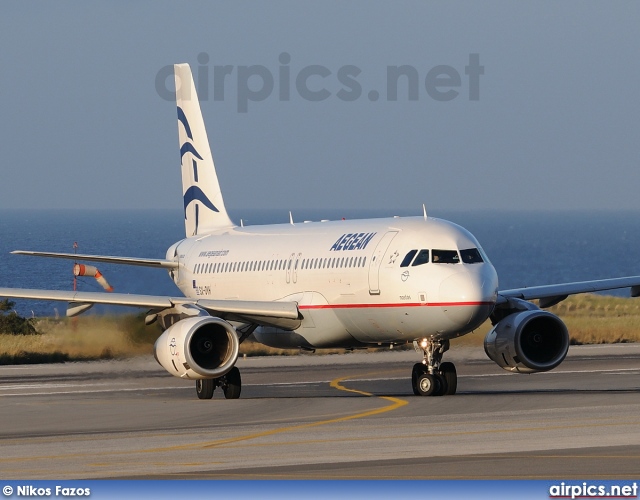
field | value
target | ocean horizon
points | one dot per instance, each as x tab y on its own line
527	248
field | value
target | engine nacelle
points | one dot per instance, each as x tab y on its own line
528	342
197	348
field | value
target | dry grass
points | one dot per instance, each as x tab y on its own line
591	319
87	338
596	319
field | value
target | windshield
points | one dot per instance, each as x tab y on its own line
445	257
471	256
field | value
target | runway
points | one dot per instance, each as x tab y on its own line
350	416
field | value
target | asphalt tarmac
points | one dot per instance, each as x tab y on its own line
351	416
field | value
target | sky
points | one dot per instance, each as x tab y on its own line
511	105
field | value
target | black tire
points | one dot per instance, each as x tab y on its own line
205	388
442	385
448	371
427	384
233	384
418	369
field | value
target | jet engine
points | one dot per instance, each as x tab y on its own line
201	347
528	342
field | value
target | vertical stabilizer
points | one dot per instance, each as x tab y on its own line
204	209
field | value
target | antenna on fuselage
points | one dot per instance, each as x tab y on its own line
424	211
291	218
241	223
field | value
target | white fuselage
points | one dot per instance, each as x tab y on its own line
347	277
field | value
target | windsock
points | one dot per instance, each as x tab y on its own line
84	270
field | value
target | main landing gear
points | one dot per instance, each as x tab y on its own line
231	385
432	377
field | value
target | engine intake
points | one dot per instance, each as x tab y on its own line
528	342
198	347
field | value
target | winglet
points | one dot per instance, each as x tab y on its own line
204	209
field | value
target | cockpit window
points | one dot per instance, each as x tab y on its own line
422	258
471	256
408	258
445	257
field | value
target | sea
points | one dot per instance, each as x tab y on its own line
526	248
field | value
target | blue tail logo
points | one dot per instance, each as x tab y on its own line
193	193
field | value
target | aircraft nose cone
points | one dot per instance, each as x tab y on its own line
467	298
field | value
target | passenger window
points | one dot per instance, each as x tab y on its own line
408	258
422	258
445	257
471	256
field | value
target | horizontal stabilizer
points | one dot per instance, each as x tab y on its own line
130	261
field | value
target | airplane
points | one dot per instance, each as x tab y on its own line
330	284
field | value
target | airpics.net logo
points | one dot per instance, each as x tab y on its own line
590	490
317	83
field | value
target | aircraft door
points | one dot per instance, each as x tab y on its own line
376	261
295	268
289	264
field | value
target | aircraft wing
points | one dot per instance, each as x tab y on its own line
132	261
263	312
552	294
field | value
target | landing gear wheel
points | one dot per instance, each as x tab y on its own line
442	375
442	385
418	369
448	371
205	388
427	384
232	384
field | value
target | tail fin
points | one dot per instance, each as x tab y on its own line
204	209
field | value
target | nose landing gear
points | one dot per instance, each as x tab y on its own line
432	377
